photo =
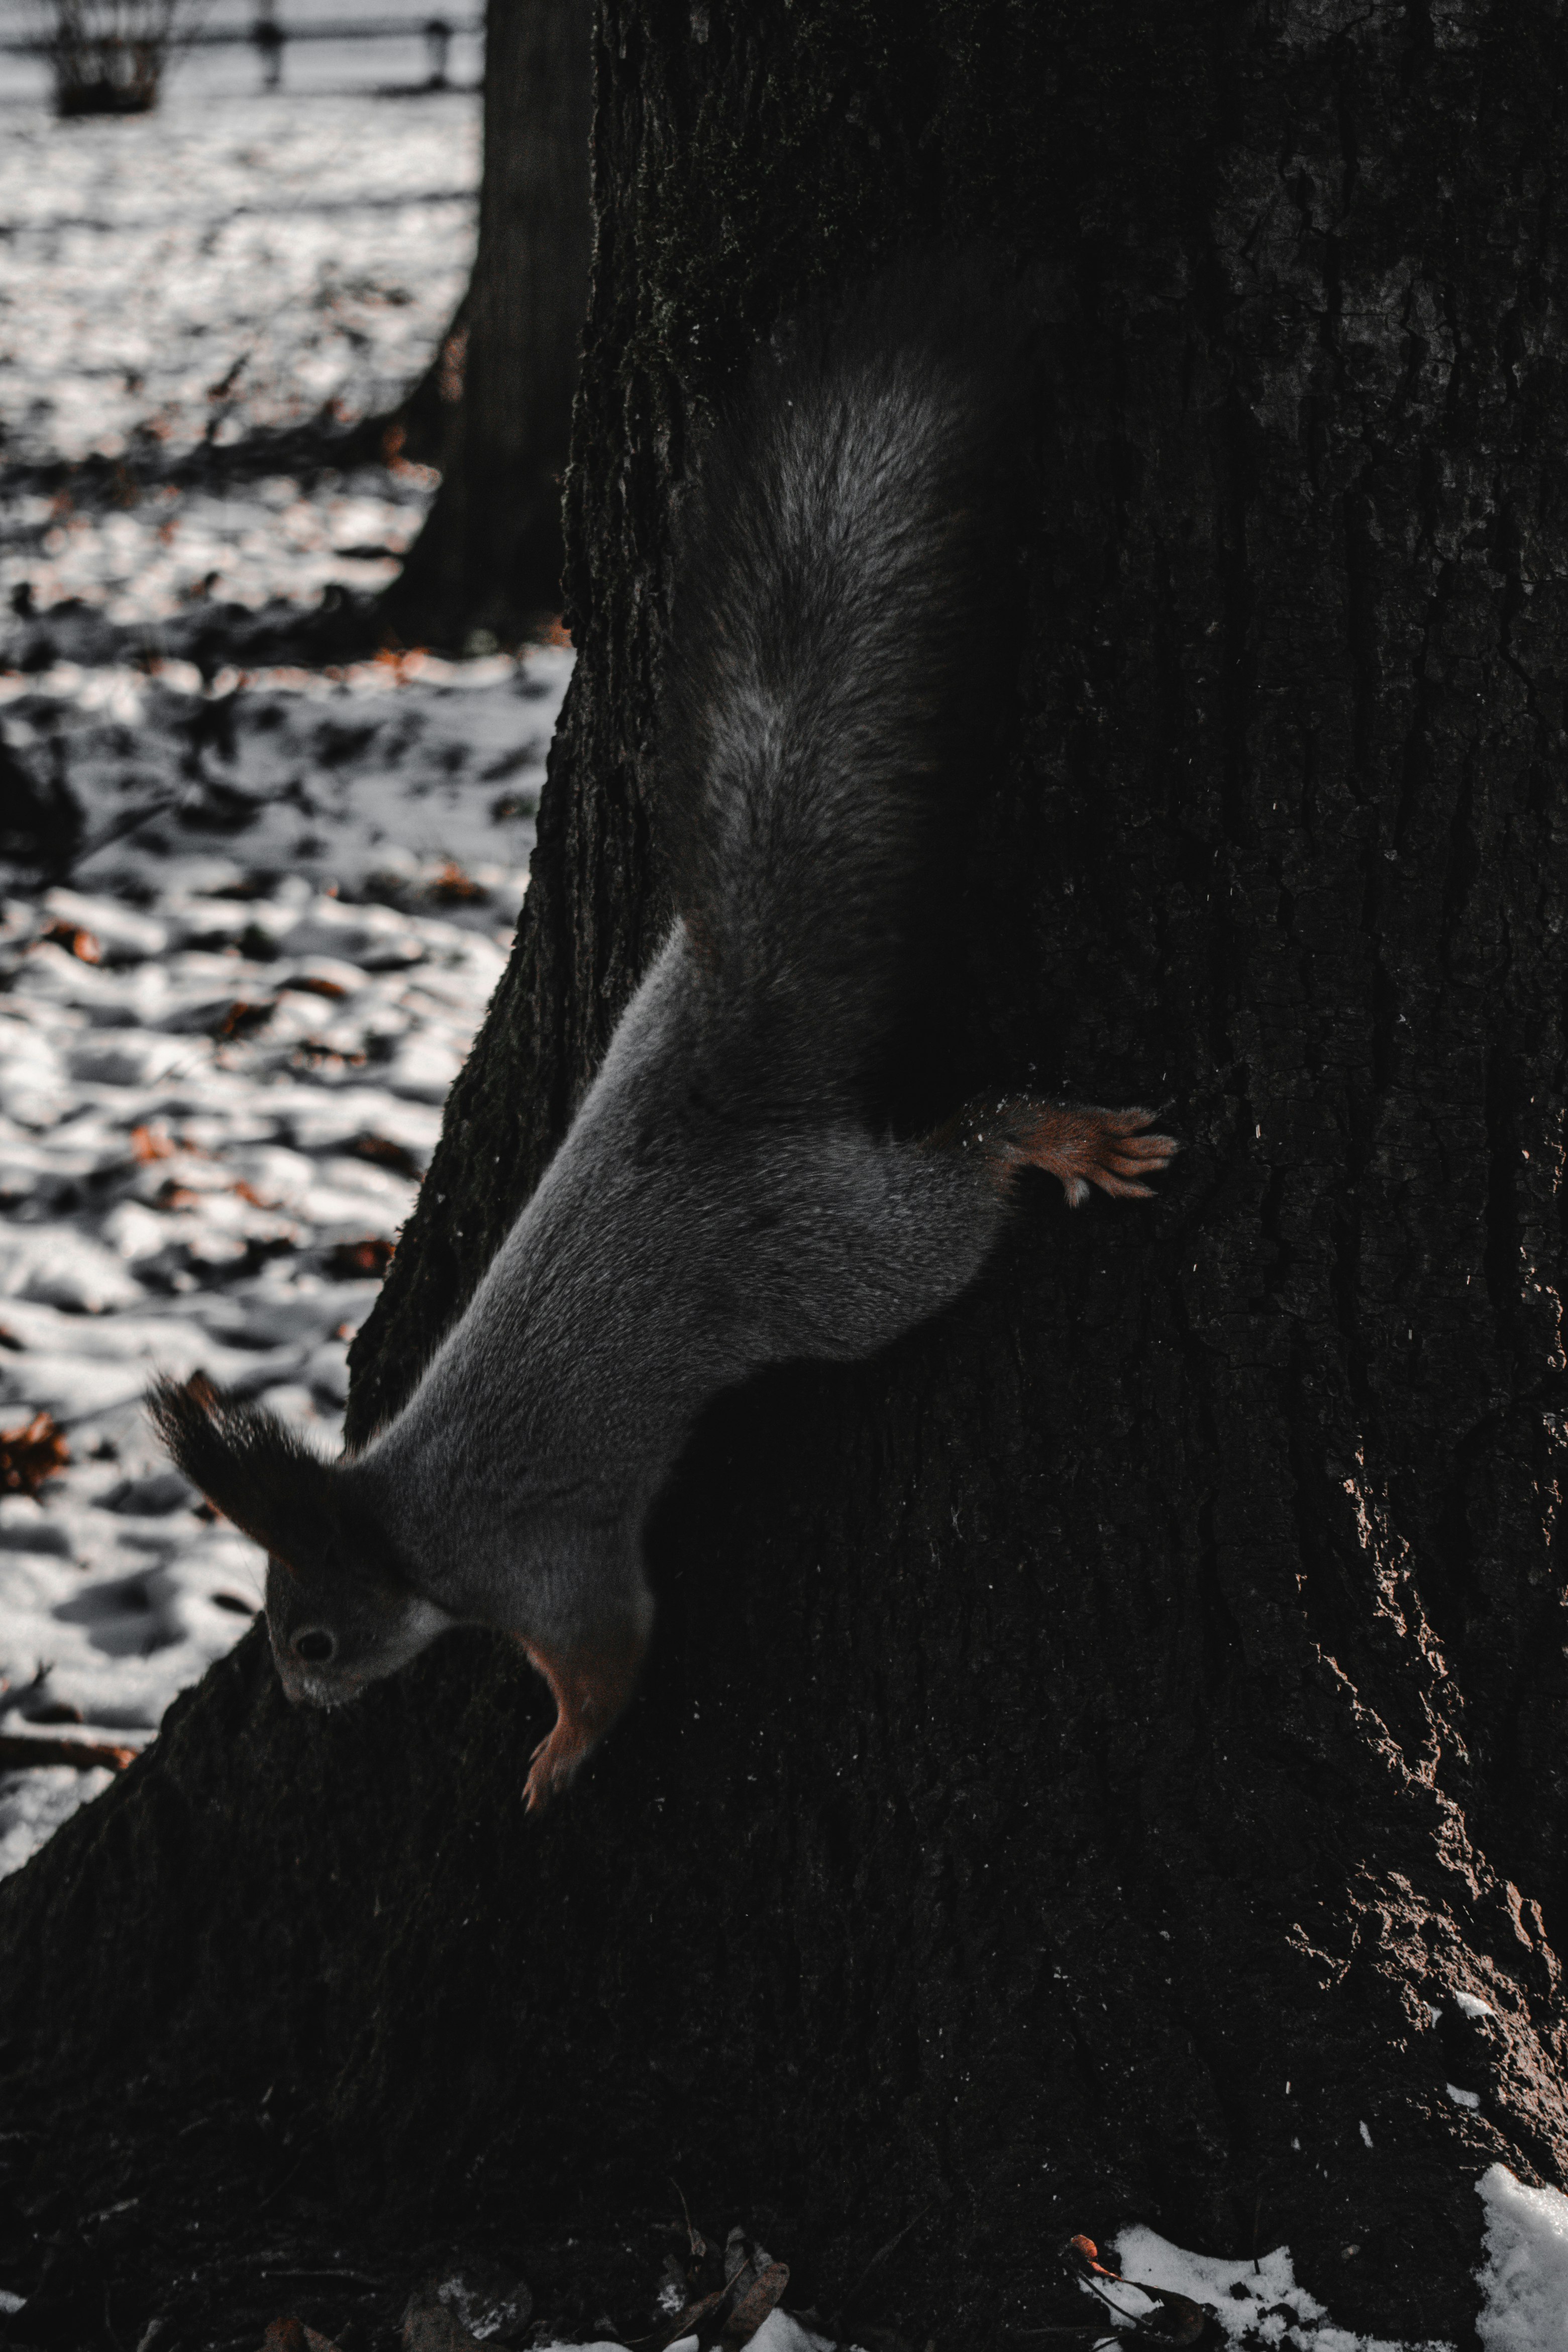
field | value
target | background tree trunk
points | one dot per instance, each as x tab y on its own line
1084	1747
489	555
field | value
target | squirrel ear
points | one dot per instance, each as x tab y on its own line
257	1471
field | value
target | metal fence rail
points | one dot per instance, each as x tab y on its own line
265	32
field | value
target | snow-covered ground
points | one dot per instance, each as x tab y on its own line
178	284
223	268
282	897
1257	2303
219	1085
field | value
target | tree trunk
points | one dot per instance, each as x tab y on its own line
489	556
1082	1748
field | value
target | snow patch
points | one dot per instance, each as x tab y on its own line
32	1806
777	2333
1260	2302
220	1085
219	1188
1524	2277
780	2333
220	267
406	779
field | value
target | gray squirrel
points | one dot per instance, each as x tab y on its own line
728	1195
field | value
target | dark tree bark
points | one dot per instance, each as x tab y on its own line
1080	1746
489	556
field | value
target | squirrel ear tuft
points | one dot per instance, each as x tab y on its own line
257	1471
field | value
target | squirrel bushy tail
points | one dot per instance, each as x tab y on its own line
833	567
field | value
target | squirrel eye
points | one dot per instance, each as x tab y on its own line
315	1647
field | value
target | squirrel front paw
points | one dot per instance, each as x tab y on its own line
1080	1143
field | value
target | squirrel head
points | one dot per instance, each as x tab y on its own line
340	1608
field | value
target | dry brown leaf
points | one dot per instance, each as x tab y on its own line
75	940
451	887
373	1255
17	1748
756	2303
30	1455
383	1153
292	2335
173	1195
242	1016
694	2313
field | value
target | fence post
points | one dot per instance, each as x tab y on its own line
437	43
267	37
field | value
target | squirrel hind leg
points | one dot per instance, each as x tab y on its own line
1079	1143
591	1687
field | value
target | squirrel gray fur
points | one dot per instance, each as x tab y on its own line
727	1196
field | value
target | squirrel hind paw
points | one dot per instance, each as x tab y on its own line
1083	1145
555	1763
589	1689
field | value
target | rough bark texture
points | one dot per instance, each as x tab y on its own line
489	555
1080	1746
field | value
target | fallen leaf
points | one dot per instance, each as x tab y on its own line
173	1195
384	1153
373	1255
17	1748
242	1016
30	1455
756	2303
693	2315
75	940
451	887
293	2335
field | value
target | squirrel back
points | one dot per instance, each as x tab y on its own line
837	563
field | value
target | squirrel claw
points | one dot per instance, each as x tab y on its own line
555	1760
